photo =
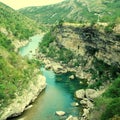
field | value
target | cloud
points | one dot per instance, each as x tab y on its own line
17	4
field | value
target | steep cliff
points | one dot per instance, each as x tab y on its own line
93	53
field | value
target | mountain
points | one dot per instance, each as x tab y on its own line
15	23
76	11
15	72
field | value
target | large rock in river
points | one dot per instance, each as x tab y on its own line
80	93
60	113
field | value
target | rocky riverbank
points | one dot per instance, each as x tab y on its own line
19	104
86	97
19	44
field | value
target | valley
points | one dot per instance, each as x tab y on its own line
61	57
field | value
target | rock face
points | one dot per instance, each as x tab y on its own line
19	104
60	113
92	48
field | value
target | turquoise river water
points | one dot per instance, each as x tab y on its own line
58	95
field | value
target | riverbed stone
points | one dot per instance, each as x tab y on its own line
72	118
60	113
80	93
75	104
72	77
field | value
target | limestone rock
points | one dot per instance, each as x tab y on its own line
80	93
72	77
60	113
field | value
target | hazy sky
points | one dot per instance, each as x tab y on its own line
16	4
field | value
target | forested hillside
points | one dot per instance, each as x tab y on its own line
80	11
15	24
15	72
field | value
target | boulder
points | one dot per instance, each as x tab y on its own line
80	93
91	94
72	77
60	113
72	118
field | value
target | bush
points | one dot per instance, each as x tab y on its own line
47	39
112	109
114	90
109	28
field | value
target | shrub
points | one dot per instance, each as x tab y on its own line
47	39
109	28
112	109
114	90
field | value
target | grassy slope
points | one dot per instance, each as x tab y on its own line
15	73
76	11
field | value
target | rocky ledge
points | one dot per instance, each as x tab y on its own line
19	104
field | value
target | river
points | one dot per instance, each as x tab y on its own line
58	95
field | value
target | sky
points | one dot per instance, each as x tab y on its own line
17	4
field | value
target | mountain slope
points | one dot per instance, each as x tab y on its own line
16	24
76	11
15	72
